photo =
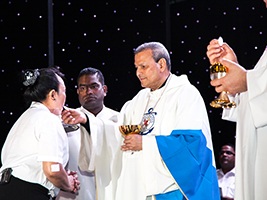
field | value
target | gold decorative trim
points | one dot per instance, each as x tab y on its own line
179	188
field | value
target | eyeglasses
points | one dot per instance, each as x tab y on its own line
229	153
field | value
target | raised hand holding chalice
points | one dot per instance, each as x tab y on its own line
218	70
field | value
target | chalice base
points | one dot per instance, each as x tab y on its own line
229	105
222	101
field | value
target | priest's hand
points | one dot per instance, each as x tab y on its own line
73	116
132	142
215	52
235	81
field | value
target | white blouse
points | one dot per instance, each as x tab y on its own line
37	136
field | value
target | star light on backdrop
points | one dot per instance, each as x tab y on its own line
103	34
242	24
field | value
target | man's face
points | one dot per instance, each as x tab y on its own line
227	157
91	92
265	1
147	70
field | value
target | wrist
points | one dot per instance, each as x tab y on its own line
84	121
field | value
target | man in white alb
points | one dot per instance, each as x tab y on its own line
250	90
91	92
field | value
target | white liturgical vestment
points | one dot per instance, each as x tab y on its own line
251	134
87	189
176	147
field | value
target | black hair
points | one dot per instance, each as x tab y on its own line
91	71
158	51
231	145
40	82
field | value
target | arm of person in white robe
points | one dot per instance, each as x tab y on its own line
100	145
230	114
256	94
89	140
91	144
257	91
100	152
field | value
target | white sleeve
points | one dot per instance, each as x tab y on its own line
230	114
257	94
52	140
91	144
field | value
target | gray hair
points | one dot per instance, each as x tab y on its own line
158	51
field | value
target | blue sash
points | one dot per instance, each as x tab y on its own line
189	161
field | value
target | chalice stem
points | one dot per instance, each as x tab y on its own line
217	70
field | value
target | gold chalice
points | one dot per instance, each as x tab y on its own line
130	129
218	70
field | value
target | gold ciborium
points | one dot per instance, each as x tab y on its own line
130	129
218	70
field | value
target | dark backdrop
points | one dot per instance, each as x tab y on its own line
103	34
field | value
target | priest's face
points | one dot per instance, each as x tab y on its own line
147	70
227	158
91	93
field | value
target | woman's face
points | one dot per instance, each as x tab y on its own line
60	97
